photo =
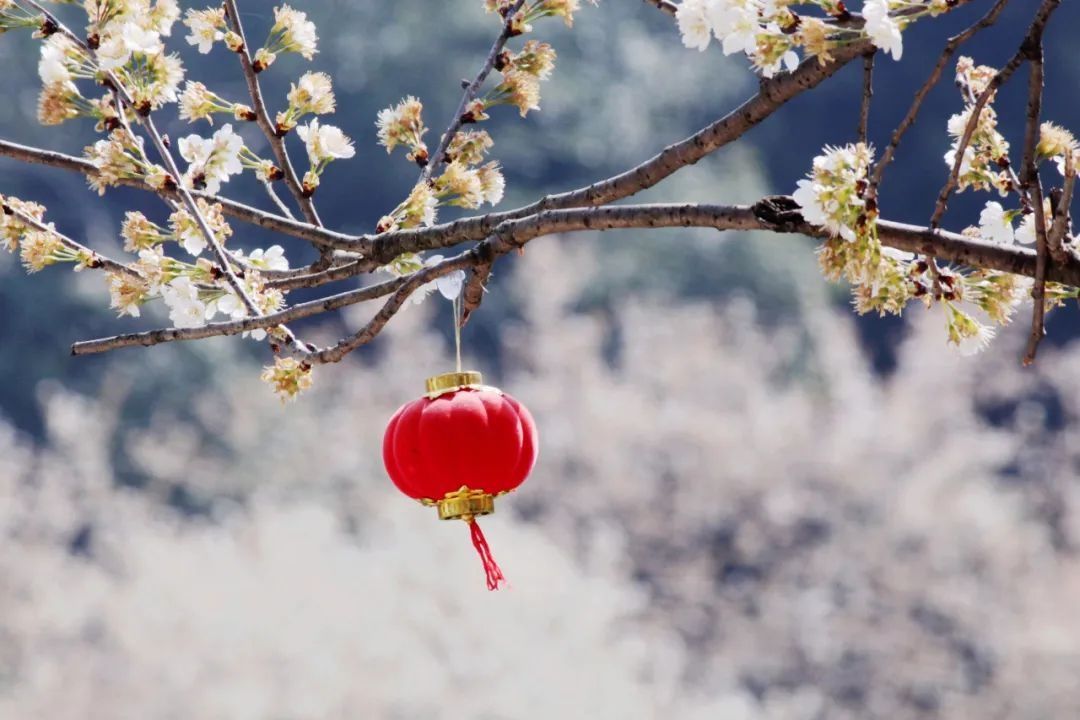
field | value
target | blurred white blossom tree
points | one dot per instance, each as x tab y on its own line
772	544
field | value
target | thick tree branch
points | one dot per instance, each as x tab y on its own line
516	233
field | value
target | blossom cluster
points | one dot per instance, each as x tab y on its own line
465	178
123	72
835	197
23	229
533	10
288	377
985	163
312	94
771	33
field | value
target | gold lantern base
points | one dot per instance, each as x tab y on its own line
465	504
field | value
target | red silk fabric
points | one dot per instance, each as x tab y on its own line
481	438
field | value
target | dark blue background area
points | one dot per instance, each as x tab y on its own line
378	52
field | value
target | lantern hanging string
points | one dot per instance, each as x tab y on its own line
458	307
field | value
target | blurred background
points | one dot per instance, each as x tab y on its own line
749	504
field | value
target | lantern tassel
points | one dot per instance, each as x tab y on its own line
495	578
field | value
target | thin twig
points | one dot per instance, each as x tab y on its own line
235	327
473	292
439	157
390	308
867	94
1055	240
97	261
1042	16
951	47
664	6
262	117
277	200
1029	181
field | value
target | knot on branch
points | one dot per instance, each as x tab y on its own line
778	212
484	253
1031	48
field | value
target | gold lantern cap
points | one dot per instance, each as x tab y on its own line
453	381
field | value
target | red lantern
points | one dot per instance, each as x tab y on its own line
458	448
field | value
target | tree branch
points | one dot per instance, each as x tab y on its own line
1055	240
1029	182
516	233
390	308
772	94
473	292
951	47
439	157
664	6
1042	16
867	95
262	117
235	327
232	208
99	261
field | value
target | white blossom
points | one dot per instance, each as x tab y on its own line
325	142
449	285
788	61
164	15
994	225
1025	233
212	160
116	49
735	24
832	196
273	258
182	298
958	122
965	163
207	27
294	32
884	32
52	67
695	25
